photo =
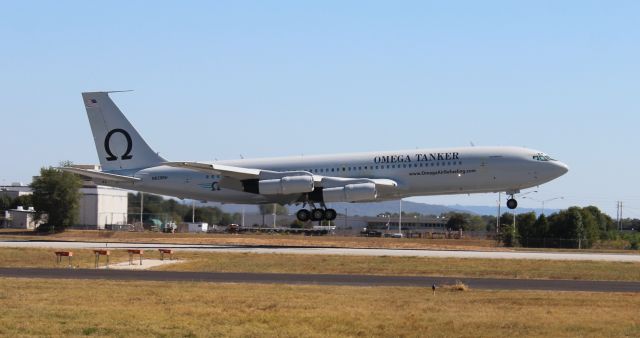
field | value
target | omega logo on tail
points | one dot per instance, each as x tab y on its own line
107	147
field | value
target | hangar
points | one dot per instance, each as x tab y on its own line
99	206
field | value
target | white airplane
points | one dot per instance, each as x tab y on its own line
128	162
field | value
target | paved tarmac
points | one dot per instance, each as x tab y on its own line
546	255
321	279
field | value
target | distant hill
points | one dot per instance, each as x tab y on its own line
492	210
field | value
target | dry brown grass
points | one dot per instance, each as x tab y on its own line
109	308
258	239
280	263
457	286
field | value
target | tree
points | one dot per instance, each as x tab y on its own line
57	194
507	232
541	231
5	202
475	223
24	201
456	221
590	227
267	209
603	221
525	224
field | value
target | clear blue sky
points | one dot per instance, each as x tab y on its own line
286	78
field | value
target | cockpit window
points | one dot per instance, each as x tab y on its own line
542	157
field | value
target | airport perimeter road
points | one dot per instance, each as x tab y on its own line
321	279
576	256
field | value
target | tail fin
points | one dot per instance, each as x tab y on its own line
119	145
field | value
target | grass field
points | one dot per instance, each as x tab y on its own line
255	239
293	240
108	308
280	263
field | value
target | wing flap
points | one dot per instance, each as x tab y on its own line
225	170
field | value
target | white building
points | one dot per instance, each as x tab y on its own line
21	218
101	205
198	227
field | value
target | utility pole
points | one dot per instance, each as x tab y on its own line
141	206
242	217
400	219
274	215
498	216
193	211
619	215
513	233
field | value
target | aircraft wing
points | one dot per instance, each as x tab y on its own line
99	175
242	174
225	170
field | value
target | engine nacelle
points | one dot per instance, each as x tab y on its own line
286	185
350	193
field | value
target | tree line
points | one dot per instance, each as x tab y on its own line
157	207
575	227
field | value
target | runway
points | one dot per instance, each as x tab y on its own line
573	256
322	279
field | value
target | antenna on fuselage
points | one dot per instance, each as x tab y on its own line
472	144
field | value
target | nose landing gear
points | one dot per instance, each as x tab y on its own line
512	203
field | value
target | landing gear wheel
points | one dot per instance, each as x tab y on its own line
330	214
512	203
317	215
303	215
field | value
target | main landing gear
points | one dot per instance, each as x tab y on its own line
316	214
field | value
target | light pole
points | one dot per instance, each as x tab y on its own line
513	231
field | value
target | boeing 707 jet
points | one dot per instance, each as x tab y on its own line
128	162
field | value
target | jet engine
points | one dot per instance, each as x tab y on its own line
350	193
286	185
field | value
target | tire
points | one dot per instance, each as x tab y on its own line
317	215
512	203
303	215
330	214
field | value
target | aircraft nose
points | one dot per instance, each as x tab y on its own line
561	168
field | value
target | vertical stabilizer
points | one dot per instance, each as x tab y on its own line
118	144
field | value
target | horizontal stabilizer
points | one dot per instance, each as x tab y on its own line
99	175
